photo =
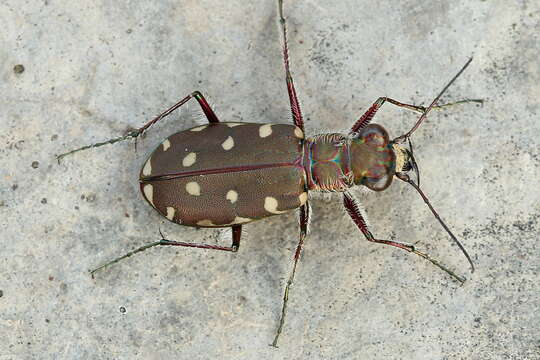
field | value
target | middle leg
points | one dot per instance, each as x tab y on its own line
295	106
304	223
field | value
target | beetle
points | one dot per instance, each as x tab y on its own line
228	174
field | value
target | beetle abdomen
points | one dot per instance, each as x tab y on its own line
226	173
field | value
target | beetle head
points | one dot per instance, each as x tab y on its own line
372	158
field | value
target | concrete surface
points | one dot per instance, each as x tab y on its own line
93	70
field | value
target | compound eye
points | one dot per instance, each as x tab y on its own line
378	184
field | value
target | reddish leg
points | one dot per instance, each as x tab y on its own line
304	222
368	115
212	118
236	233
295	106
354	211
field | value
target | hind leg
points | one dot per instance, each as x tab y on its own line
236	234
208	112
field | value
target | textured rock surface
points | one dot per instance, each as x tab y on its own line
92	70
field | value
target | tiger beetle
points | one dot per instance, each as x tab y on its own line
227	174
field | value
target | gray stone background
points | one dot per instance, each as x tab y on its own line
93	70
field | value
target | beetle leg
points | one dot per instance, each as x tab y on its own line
304	223
295	106
236	233
212	118
354	211
370	113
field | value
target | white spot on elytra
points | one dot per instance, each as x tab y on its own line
232	196
303	198
271	204
193	188
228	144
240	220
170	212
166	145
199	128
148	191
147	169
205	223
298	133
265	130
233	124
189	159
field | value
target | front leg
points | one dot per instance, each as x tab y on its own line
366	118
356	215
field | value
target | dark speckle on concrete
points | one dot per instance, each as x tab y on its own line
18	69
89	197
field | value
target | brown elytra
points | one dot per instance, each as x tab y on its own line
224	174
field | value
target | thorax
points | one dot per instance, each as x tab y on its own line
327	162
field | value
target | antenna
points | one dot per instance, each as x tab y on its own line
402	138
404	177
407	179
